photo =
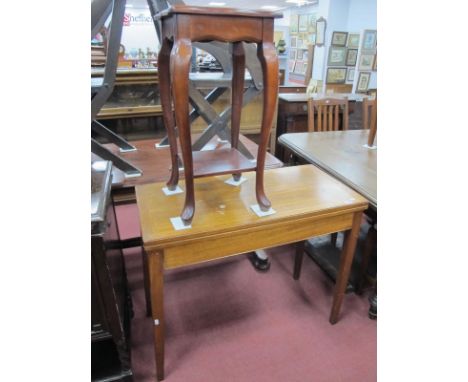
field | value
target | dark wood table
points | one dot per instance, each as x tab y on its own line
292	114
226	226
345	156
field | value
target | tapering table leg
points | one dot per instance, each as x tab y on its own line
238	73
180	65
156	271
347	255
267	55
168	117
298	259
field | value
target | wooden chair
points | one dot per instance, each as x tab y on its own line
324	114
373	124
368	106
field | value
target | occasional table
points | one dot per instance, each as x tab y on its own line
226	226
181	25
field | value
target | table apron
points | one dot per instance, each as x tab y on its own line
234	243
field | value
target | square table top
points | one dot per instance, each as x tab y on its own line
300	192
342	154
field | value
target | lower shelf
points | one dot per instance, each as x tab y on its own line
220	161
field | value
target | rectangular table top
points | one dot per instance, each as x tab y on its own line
301	192
342	154
303	97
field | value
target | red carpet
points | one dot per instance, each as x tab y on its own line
227	322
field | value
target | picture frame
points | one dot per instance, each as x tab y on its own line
311	23
353	41
292	54
293	24
300	54
350	75
291	65
339	38
336	75
351	57
375	63
337	56
303	27
366	61
299	68
293	42
300	43
363	82
321	26
369	40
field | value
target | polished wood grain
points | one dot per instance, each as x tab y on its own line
342	154
368	105
226	226
324	114
156	164
181	25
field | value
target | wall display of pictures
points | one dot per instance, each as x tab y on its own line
363	81
353	41
293	42
291	65
351	57
366	61
292	54
350	75
339	38
336	75
300	54
303	27
293	24
321	25
337	56
369	41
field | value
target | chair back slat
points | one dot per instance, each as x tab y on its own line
324	114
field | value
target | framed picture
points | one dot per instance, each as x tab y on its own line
293	24
369	40
291	65
311	23
339	38
351	57
366	61
300	67
303	23
363	81
350	75
321	25
300	43
353	41
292	54
293	42
375	63
337	56
300	54
336	75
